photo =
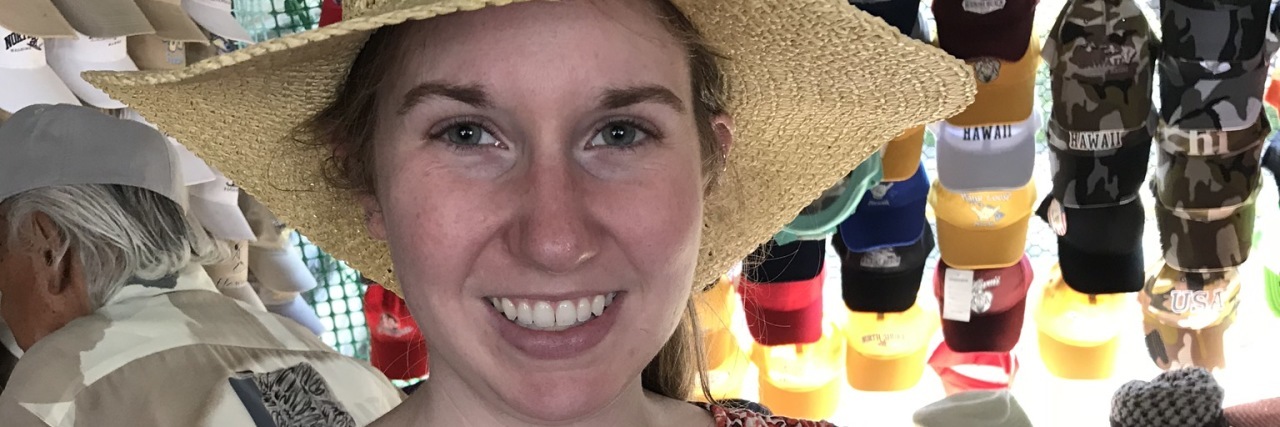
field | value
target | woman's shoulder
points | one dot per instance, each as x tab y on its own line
754	415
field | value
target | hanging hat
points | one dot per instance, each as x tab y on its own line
171	22
25	71
215	16
1185	316
978	408
853	81
1181	398
1263	413
71	57
105	18
34	18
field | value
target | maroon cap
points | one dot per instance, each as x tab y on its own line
970	29
784	313
998	303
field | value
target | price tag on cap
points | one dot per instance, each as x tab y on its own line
957	295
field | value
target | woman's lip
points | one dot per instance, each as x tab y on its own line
553	297
557	345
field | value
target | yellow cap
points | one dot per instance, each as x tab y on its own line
984	229
901	156
726	369
1006	90
887	350
1079	333
804	380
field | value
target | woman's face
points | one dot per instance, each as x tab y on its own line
539	184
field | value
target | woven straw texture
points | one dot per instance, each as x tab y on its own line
816	86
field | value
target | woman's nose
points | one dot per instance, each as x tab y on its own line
555	231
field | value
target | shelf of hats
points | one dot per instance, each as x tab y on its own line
1094	241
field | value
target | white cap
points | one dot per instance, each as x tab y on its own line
8	341
979	408
70	57
27	78
216	205
292	306
215	16
194	170
281	270
53	145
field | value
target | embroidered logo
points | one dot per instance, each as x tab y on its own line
881	258
982	7
982	297
1189	301
986	70
880	190
1095	141
15	39
987	133
175	53
883	340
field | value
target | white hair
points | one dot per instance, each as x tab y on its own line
120	232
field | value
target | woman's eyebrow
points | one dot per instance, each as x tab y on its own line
616	98
473	95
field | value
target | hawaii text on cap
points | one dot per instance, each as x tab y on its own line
1099	168
988	157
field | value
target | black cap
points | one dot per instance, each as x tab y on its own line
885	280
1099	248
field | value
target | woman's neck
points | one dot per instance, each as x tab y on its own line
447	400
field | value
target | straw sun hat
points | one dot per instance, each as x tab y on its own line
816	86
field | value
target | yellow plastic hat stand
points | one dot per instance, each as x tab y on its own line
804	380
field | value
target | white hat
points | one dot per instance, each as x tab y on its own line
978	408
27	78
215	16
194	170
105	18
39	18
171	21
216	205
281	270
70	57
8	341
53	145
292	306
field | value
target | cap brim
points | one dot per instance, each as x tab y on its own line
70	74
217	21
280	271
224	221
172	22
1093	273
966	166
976	249
105	18
997	332
35	18
31	86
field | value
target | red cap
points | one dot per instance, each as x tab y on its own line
998	304
970	29
330	12
786	312
396	346
944	361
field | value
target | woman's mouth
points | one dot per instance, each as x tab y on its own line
545	315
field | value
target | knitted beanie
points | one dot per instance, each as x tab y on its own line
1181	398
1263	413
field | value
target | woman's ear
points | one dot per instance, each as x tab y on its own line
373	220
722	124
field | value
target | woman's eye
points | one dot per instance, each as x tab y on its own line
469	134
619	135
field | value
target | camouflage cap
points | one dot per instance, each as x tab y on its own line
1185	315
1214	30
1099	168
1211	94
1203	169
1101	58
971	29
1206	240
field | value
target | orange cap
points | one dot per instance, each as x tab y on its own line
1079	333
802	380
887	350
1006	90
902	155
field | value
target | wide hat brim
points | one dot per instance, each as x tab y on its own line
816	87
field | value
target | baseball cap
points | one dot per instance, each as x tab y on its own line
978	408
215	205
1272	96
1099	168
1101	65
330	12
194	170
890	214
35	18
53	145
1222	30
1182	397
396	345
802	381
70	57
969	29
887	350
1078	332
997	302
987	157
884	280
968	371
171	22
901	14
1204	169
277	264
27	76
215	16
1208	94
1099	248
784	313
902	155
820	219
1206	239
105	18
1185	315
982	229
1006	88
150	52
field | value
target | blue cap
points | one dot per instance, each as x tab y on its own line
820	219
891	214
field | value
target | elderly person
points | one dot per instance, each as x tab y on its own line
548	183
102	287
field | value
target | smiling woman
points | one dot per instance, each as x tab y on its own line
553	180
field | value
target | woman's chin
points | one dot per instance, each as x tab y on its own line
554	398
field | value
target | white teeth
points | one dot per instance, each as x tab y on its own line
552	316
524	313
509	309
584	309
543	315
566	313
597	305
